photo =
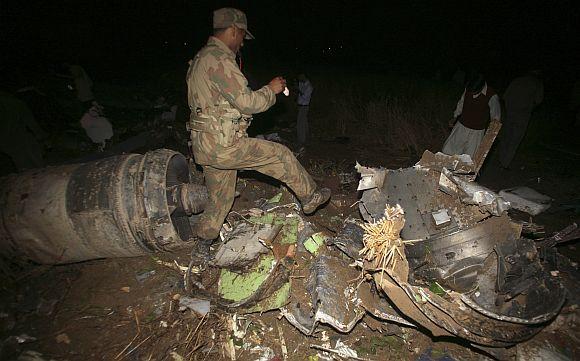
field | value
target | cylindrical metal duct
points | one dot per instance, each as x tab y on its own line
121	206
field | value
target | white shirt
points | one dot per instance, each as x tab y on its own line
305	90
494	105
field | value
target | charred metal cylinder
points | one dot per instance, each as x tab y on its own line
122	206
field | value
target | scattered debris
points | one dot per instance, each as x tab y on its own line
46	307
142	276
276	198
176	357
449	284
314	242
200	307
32	356
24	338
264	287
526	200
434	251
245	244
567	234
341	350
176	266
62	338
265	353
282	341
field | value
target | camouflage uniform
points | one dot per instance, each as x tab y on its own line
221	104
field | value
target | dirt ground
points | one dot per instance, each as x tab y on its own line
128	309
115	309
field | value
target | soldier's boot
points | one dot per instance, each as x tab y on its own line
202	252
317	199
205	238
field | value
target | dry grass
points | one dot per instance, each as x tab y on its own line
404	114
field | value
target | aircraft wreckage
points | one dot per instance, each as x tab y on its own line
433	248
121	206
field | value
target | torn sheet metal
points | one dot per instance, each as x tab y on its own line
349	239
314	242
460	164
370	177
266	286
418	191
260	283
485	198
244	244
333	298
474	315
378	306
454	224
338	296
456	227
526	200
453	259
513	286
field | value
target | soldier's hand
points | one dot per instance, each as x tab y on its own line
277	84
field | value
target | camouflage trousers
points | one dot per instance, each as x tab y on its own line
220	165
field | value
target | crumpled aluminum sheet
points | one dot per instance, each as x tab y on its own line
477	194
337	302
243	245
333	298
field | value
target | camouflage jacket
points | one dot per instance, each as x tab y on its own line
217	86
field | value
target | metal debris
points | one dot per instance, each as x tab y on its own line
455	231
122	206
199	306
526	200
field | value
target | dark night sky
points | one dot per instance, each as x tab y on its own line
412	35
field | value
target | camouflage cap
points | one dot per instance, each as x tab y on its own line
226	17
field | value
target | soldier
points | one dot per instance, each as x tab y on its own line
221	106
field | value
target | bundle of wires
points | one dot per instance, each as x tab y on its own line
382	239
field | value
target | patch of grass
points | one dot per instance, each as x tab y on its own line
374	344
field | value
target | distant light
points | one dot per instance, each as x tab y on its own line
185	44
328	48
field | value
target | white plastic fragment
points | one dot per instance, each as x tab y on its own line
198	306
344	350
266	353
